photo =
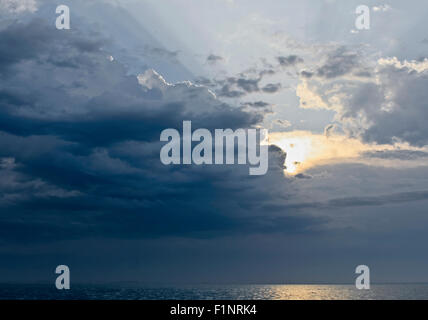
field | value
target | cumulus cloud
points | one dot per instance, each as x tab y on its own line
383	105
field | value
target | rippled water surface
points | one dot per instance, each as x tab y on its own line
226	292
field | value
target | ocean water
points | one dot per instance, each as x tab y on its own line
216	292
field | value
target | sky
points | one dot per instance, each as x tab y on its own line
81	112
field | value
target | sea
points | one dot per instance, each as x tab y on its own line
214	292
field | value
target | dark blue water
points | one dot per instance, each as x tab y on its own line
225	292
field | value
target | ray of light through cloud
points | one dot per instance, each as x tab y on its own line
83	108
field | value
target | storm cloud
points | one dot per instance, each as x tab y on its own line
80	149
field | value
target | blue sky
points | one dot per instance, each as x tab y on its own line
81	111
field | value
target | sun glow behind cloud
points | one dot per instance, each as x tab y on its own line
298	150
306	150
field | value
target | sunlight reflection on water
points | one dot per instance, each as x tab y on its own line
217	292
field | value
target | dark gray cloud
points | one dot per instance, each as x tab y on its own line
248	85
227	91
291	60
257	104
234	87
306	74
401	107
250	80
272	87
339	63
397	154
266	72
80	155
31	41
20	42
212	58
401	197
358	201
